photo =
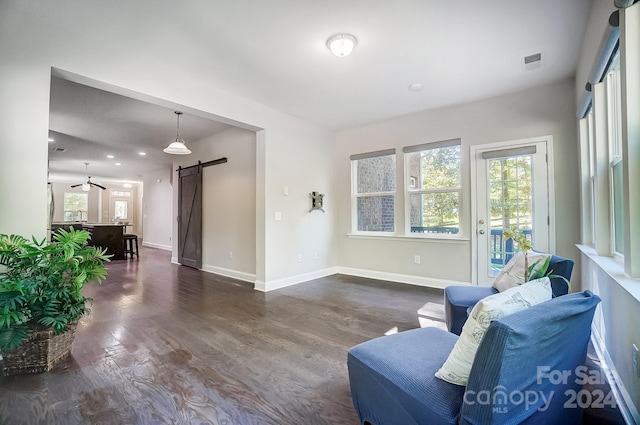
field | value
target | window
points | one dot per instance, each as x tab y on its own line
591	140
434	202
614	121
120	208
373	191
75	206
603	134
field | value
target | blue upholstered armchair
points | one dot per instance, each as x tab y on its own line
458	299
393	383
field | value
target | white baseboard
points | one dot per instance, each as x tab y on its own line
293	280
400	278
157	246
260	285
247	277
624	400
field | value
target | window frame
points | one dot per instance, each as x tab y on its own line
614	141
419	190
355	195
64	205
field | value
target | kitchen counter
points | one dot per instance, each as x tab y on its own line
105	235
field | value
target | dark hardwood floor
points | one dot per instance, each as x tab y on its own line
166	344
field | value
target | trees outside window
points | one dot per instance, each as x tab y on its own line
434	203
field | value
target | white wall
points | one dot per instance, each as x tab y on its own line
616	322
542	111
59	188
229	203
156	209
79	39
618	317
99	202
594	33
301	162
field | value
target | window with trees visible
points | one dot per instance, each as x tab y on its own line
432	173
373	191
121	209
614	121
76	205
612	198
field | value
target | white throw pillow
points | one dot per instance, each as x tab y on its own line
512	274
458	365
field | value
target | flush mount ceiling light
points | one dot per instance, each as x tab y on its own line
341	45
178	146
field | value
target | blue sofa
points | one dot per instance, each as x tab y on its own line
392	377
458	299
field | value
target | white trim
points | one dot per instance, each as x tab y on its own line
174	260
293	280
624	400
157	246
355	196
408	191
548	139
247	277
414	237
614	268
259	285
400	278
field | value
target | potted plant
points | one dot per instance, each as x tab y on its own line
40	297
539	268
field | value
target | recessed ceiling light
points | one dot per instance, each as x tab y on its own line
415	87
51	139
110	156
118	163
142	153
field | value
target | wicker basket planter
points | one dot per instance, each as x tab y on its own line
40	353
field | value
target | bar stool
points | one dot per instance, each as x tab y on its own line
128	240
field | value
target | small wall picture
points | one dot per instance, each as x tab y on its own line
316	201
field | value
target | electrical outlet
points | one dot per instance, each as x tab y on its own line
230	255
634	354
315	255
299	258
416	259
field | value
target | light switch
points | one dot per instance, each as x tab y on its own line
278	216
286	191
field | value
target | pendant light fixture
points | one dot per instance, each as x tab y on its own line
178	146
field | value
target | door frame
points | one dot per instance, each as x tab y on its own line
548	139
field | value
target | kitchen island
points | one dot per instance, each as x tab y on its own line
105	235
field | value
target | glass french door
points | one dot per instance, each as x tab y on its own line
512	190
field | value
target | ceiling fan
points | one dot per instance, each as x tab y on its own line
88	185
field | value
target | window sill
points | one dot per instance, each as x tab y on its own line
614	267
394	237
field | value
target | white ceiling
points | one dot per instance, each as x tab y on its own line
90	124
274	52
